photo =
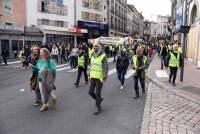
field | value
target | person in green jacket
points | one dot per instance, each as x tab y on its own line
45	62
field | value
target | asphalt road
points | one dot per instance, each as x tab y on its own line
74	112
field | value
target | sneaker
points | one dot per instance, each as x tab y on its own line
97	111
53	102
76	84
136	97
44	108
122	88
37	104
174	84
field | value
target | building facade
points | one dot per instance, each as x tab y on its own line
117	13
192	20
13	34
136	20
150	30
54	17
130	28
92	16
141	25
162	26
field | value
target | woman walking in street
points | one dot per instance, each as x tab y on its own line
122	66
34	77
46	70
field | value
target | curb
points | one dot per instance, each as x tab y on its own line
173	91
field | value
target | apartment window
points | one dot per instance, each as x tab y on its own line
59	23
85	15
7	7
104	19
45	22
44	6
97	5
112	22
56	1
8	23
86	3
104	7
97	17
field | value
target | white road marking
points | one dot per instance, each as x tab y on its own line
62	65
64	68
112	71
129	74
161	74
22	90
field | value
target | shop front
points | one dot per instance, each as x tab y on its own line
13	38
95	30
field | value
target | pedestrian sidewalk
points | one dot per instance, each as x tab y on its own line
166	112
189	88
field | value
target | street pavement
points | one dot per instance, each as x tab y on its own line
74	112
168	113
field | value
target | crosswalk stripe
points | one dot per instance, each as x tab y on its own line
112	71
129	73
64	68
62	65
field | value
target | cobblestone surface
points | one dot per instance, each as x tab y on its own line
168	113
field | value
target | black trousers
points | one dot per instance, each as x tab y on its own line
63	58
5	61
96	94
173	73
80	70
55	57
142	83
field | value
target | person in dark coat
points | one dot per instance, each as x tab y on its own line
4	55
122	66
27	55
63	53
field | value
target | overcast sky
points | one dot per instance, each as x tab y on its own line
151	8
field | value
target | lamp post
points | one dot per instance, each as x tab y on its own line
75	24
184	30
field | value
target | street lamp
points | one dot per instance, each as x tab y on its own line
184	30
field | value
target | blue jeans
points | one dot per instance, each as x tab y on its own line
162	61
121	75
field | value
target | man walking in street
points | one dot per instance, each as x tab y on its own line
4	55
27	55
82	66
139	65
163	54
98	75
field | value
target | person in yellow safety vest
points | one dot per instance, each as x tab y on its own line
179	48
173	60
90	51
139	65
169	47
82	66
111	50
98	74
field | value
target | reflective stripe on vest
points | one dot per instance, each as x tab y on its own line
90	52
135	63
81	60
180	50
174	61
96	69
